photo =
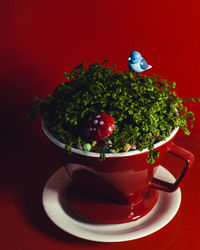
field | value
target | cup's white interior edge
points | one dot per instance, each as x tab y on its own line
93	154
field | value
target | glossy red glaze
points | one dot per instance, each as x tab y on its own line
119	180
125	179
129	175
87	202
99	126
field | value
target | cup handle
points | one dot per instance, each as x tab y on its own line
184	155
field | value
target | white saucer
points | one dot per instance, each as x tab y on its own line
56	208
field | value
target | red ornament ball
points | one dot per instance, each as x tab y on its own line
99	126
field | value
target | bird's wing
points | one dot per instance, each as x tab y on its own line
143	64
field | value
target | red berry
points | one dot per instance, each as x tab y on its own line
99	126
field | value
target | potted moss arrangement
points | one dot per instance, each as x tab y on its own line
117	126
145	109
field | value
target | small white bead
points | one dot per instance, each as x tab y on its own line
133	146
79	146
109	142
110	128
95	121
111	150
101	122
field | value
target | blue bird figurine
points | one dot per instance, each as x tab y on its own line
136	62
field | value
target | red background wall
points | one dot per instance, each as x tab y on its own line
40	40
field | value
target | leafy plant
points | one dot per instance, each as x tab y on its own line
145	109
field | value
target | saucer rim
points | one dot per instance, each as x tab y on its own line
108	232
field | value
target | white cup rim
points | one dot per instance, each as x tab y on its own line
108	155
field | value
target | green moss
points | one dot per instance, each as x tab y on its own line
143	107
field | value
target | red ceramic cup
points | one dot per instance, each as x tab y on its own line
122	187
